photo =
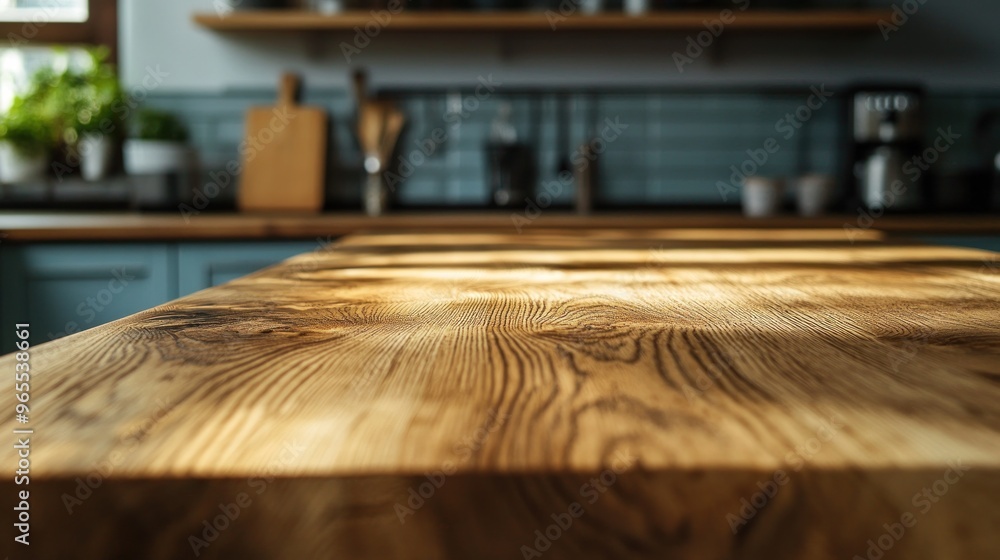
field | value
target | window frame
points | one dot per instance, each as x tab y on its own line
101	28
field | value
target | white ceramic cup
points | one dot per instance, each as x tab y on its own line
812	193
590	6
761	196
636	7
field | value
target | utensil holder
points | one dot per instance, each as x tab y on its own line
376	198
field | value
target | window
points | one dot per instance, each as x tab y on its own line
38	11
35	23
30	28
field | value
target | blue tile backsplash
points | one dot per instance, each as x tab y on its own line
674	148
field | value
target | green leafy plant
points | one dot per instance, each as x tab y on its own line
29	126
62	106
153	124
91	98
29	135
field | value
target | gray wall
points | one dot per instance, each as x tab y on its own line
950	45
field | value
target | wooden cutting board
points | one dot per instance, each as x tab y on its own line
284	160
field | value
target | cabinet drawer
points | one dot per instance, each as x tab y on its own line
67	288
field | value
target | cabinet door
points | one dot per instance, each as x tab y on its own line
203	265
989	243
66	288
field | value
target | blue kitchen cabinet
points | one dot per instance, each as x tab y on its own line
61	289
203	265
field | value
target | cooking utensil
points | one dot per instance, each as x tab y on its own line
379	127
585	177
371	125
564	165
284	162
359	87
394	121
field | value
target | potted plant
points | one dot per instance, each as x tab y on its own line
26	142
93	125
159	145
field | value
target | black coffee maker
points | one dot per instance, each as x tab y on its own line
886	126
986	190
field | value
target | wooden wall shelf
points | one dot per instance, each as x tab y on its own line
296	21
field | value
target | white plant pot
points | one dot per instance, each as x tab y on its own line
16	167
95	156
761	197
155	157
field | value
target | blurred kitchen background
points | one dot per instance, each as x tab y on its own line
691	111
830	113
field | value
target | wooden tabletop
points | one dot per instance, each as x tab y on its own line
26	227
710	394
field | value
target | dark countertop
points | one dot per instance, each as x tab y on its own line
66	226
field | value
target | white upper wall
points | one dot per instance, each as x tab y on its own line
948	45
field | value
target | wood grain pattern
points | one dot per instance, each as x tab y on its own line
701	362
36	226
291	20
